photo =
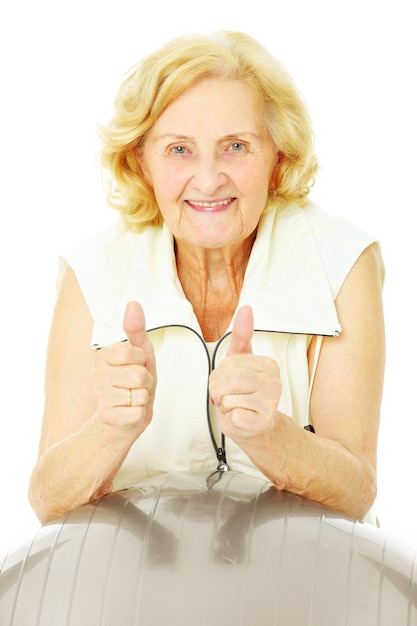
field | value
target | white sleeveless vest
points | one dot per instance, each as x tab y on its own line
299	260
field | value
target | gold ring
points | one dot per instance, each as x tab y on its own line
129	397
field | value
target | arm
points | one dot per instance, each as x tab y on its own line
336	466
87	428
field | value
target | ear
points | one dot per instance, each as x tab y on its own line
142	164
274	173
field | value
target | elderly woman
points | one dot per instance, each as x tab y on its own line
224	321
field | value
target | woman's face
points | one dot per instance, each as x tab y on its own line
210	162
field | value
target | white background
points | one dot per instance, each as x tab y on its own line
61	63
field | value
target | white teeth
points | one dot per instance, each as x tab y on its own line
211	205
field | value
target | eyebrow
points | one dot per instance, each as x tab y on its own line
229	136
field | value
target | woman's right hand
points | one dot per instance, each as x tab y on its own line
124	377
87	427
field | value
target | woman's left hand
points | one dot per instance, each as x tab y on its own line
245	387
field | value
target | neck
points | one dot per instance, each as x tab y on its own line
212	280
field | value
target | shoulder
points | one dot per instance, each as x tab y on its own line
112	266
325	227
339	242
91	257
97	246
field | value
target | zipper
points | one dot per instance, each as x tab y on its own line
220	447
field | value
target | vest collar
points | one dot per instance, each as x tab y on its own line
285	281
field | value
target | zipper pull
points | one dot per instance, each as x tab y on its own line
221	457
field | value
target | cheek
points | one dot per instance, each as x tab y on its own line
169	180
256	188
167	188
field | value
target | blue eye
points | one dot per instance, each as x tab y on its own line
178	150
237	146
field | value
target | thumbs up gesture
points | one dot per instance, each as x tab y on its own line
245	387
124	376
241	339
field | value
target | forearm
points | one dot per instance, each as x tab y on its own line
77	469
315	467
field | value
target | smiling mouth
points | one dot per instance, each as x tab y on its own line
212	206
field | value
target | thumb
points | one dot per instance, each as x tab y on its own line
242	331
135	328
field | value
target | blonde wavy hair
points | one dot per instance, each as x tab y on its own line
161	77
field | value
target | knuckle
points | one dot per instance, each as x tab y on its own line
133	377
143	396
225	403
139	377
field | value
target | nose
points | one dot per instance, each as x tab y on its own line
209	174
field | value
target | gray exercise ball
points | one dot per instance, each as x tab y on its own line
191	549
